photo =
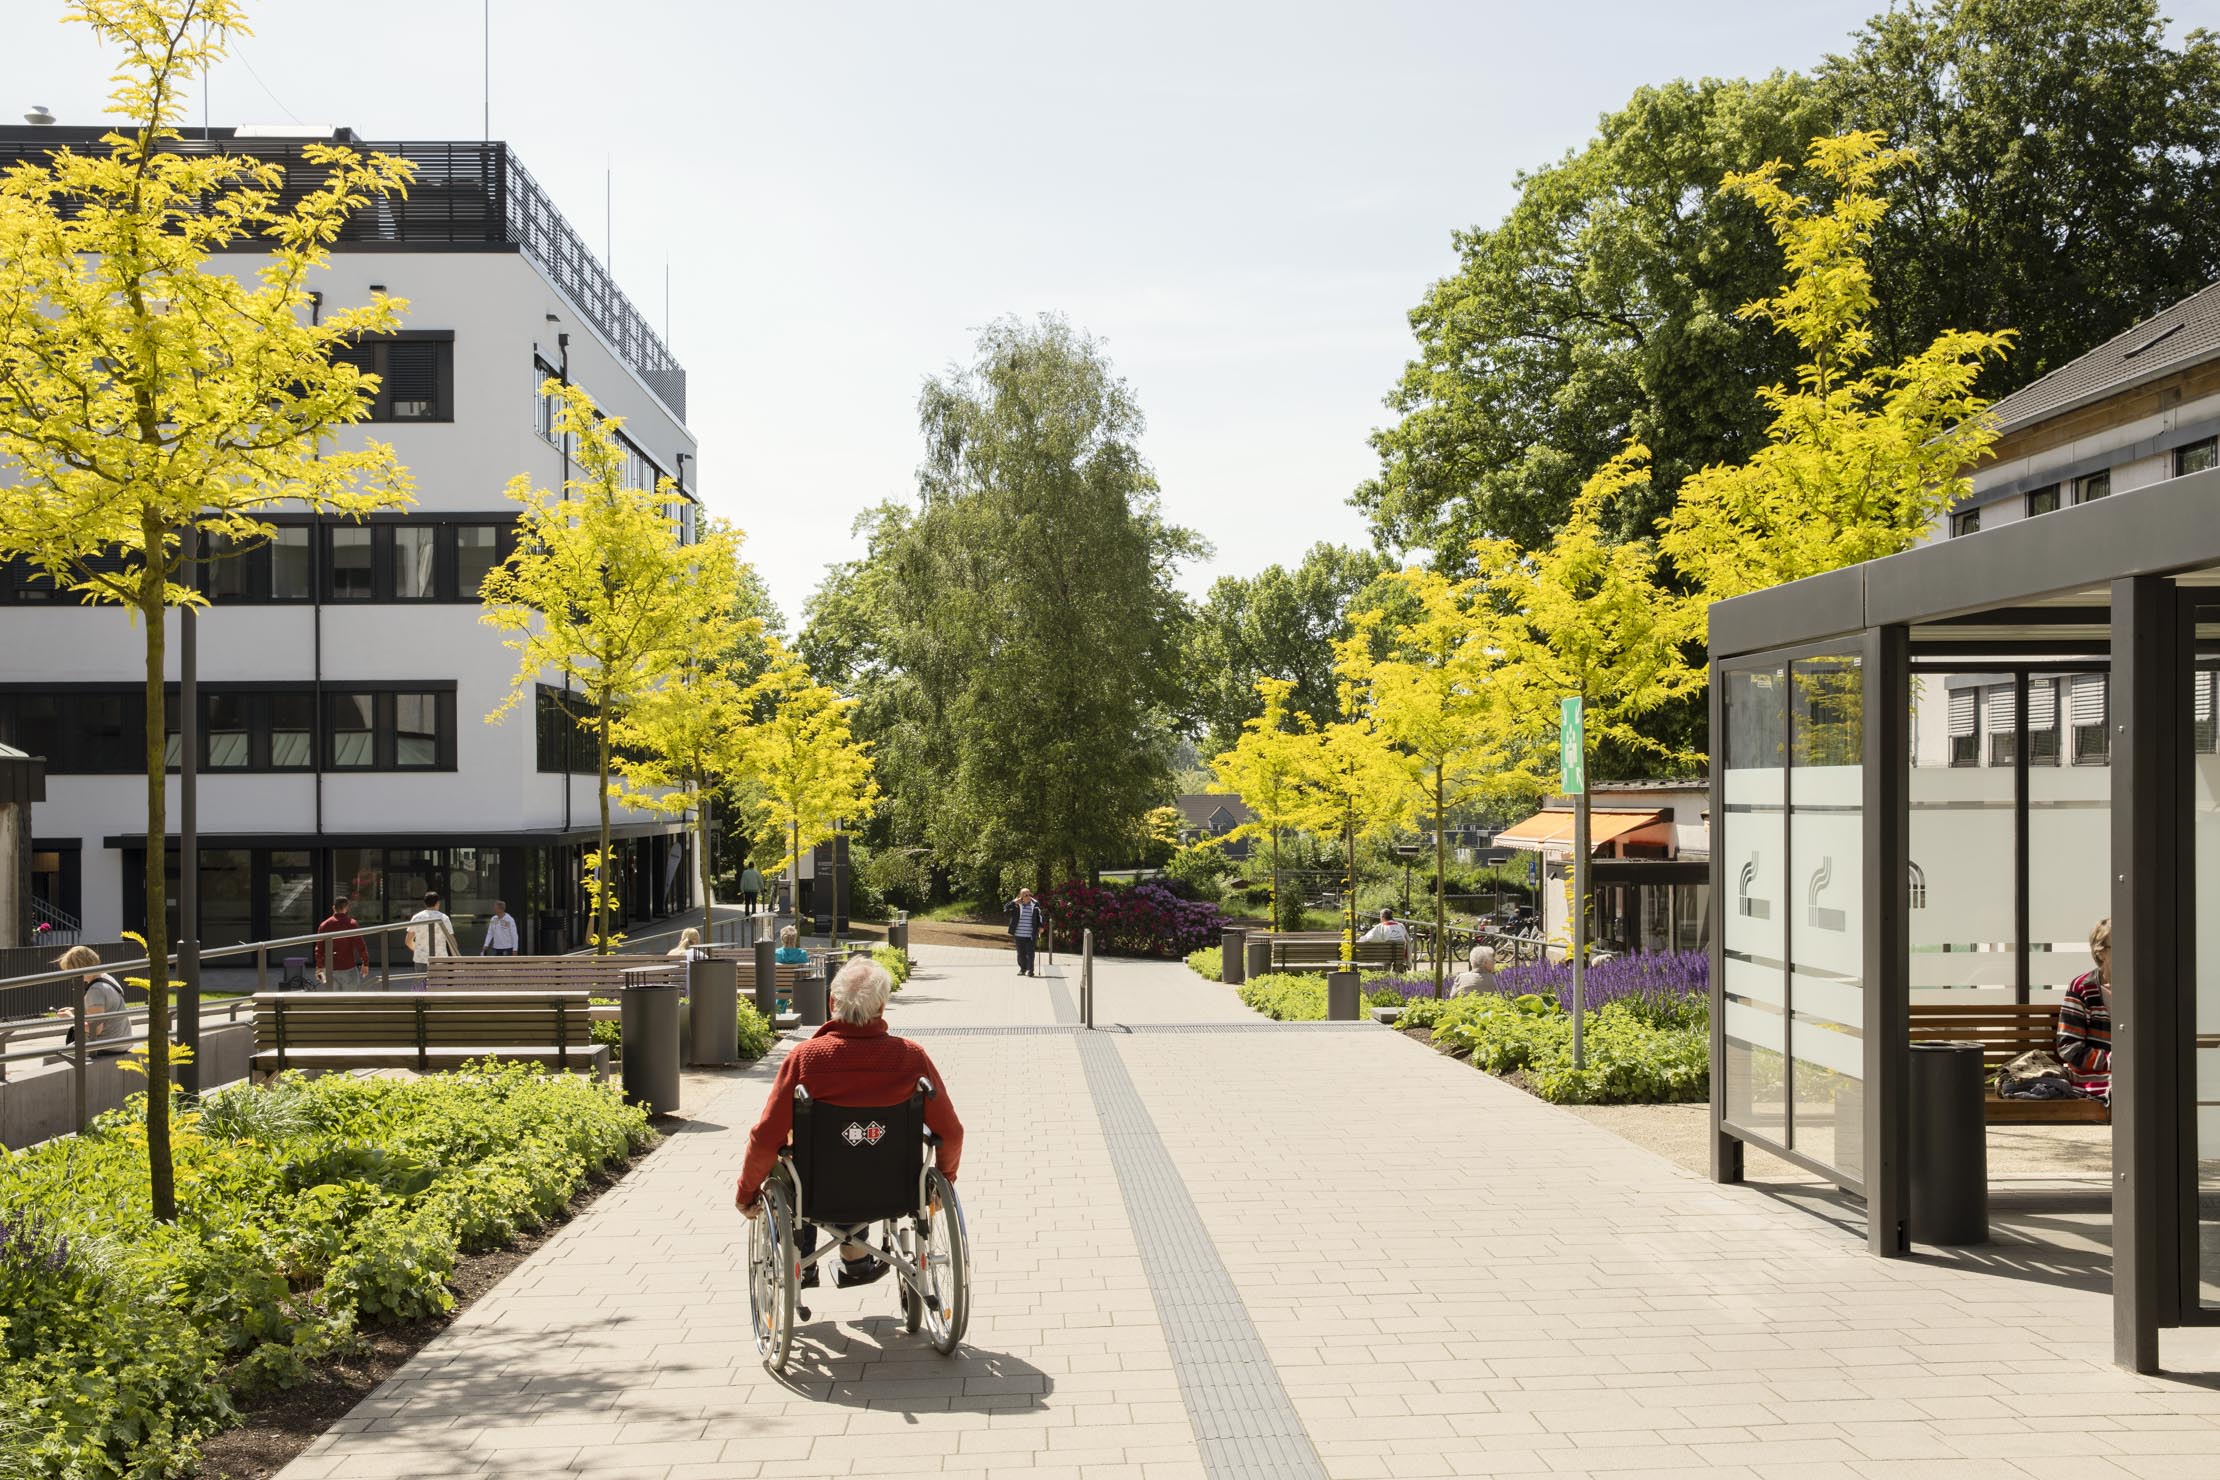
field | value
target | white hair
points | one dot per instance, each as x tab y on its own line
1483	958
860	990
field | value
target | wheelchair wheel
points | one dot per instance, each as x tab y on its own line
772	1272
944	1256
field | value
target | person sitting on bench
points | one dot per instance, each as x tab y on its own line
851	1060
2085	1021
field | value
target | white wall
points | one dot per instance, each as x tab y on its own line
496	304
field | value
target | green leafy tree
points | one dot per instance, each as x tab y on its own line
601	592
1018	635
147	398
1281	624
1602	306
1860	457
2065	152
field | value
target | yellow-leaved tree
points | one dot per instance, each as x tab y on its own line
1265	769
1860	458
1425	668
680	742
150	400
1587	619
1357	786
601	591
810	774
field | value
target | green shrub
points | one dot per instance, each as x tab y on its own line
304	1209
756	1033
1209	963
895	960
1636	1053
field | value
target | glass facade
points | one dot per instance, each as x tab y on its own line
1752	845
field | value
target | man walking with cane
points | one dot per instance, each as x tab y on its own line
1026	919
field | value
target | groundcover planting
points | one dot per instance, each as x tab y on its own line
305	1208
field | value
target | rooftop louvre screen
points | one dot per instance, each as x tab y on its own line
464	194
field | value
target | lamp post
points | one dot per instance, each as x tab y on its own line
188	829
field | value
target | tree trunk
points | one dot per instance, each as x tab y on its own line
1277	916
601	865
708	895
152	612
1441	824
1349	896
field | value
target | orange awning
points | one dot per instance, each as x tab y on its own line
1547	830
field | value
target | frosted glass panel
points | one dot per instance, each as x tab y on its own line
1826	849
1754	843
1963	927
2205	839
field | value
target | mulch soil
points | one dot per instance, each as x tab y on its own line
274	1429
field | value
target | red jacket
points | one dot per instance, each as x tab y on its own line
842	1064
346	954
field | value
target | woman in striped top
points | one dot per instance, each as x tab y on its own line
2085	1020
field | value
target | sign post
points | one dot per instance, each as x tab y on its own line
1572	768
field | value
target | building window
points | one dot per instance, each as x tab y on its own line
416	562
2092	744
2042	721
1965	728
2000	715
2196	457
391	730
544	403
353	564
478	549
2042	501
2204	711
2093	487
255	570
1965	522
292	572
564	741
416	376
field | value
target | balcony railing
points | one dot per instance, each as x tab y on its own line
464	194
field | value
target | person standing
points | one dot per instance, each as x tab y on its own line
344	964
1025	917
500	931
751	888
431	934
106	1029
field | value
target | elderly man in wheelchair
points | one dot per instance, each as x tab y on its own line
858	1131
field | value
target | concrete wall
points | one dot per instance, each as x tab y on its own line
38	1102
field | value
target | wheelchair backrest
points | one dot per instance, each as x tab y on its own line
858	1163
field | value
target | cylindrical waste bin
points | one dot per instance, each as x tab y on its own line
713	1011
1949	1163
649	1018
1344	997
1233	958
1259	954
767	981
809	997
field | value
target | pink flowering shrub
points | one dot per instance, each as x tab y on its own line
1140	920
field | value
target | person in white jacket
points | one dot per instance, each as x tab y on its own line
430	934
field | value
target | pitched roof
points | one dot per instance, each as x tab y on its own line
1198	806
2186	334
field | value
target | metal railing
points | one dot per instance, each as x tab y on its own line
61	927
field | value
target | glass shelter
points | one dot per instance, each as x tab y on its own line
1933	774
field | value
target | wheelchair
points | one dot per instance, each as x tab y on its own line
847	1168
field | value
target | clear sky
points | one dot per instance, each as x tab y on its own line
1241	200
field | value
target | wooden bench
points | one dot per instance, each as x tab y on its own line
1323	953
2005	1030
603	974
423	1031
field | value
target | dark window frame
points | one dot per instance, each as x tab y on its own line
374	355
384	730
120	749
2090	487
1965	522
563	745
2209	447
2042	501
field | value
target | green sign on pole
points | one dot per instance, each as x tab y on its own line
1572	750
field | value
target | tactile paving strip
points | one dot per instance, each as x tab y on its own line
1245	1425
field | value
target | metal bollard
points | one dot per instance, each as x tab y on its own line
1233	957
1087	977
809	998
713	1011
1259	954
1344	997
649	1024
767	981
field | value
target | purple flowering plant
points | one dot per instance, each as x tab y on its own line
1139	920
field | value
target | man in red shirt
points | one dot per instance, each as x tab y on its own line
346	963
851	1060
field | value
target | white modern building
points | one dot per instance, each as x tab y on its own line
345	678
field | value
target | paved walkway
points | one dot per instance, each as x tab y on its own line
1208	1247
